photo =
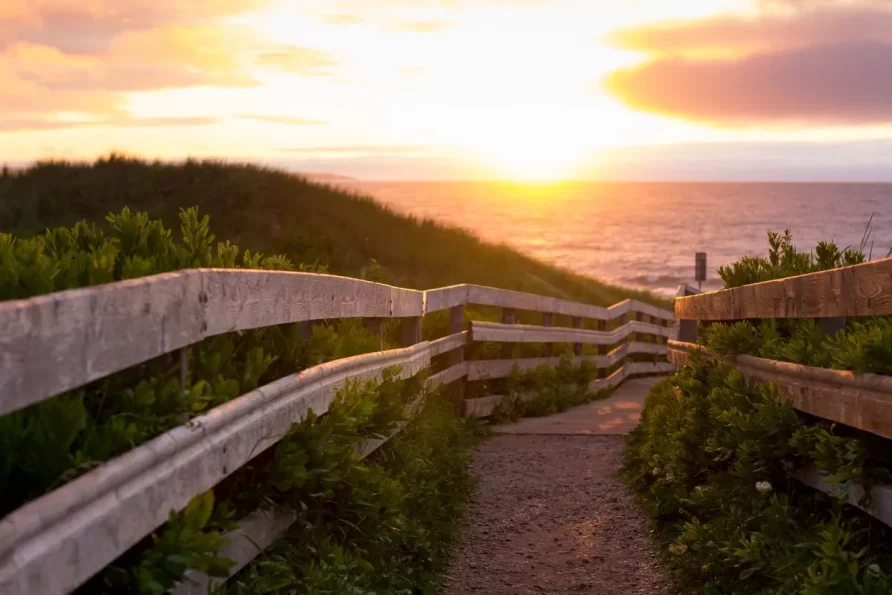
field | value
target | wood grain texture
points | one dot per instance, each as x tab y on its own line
445	297
55	543
58	342
860	290
523	333
862	401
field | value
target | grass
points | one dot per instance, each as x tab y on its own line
276	212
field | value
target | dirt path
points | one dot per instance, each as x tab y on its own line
550	516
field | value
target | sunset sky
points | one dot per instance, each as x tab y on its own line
458	89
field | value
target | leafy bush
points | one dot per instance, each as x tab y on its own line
553	388
711	462
785	261
379	526
384	524
861	346
51	442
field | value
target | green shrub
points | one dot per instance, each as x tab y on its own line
785	261
554	389
51	442
712	463
380	526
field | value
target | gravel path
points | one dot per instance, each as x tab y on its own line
549	516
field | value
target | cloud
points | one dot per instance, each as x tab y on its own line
800	25
282	120
89	27
63	63
143	60
390	150
123	121
297	60
840	84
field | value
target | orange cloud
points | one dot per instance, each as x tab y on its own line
81	59
797	62
123	121
838	84
828	24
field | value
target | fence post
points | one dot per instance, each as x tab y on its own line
832	326
655	339
548	320
375	327
457	356
508	318
602	349
410	331
687	329
184	370
577	347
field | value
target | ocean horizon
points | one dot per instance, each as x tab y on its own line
645	234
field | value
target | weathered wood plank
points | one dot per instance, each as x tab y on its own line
483	406
57	542
239	300
490	296
449	375
862	401
58	342
860	290
502	368
522	333
445	297
53	343
449	343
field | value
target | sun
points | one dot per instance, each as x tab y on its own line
534	162
532	156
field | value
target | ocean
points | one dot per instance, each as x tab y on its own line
645	235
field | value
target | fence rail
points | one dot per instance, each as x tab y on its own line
861	401
59	342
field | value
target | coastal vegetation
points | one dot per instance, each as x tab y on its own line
381	524
716	456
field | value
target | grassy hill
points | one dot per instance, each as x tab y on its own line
279	213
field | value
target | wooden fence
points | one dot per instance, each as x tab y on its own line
54	343
862	401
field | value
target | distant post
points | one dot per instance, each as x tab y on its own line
700	269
